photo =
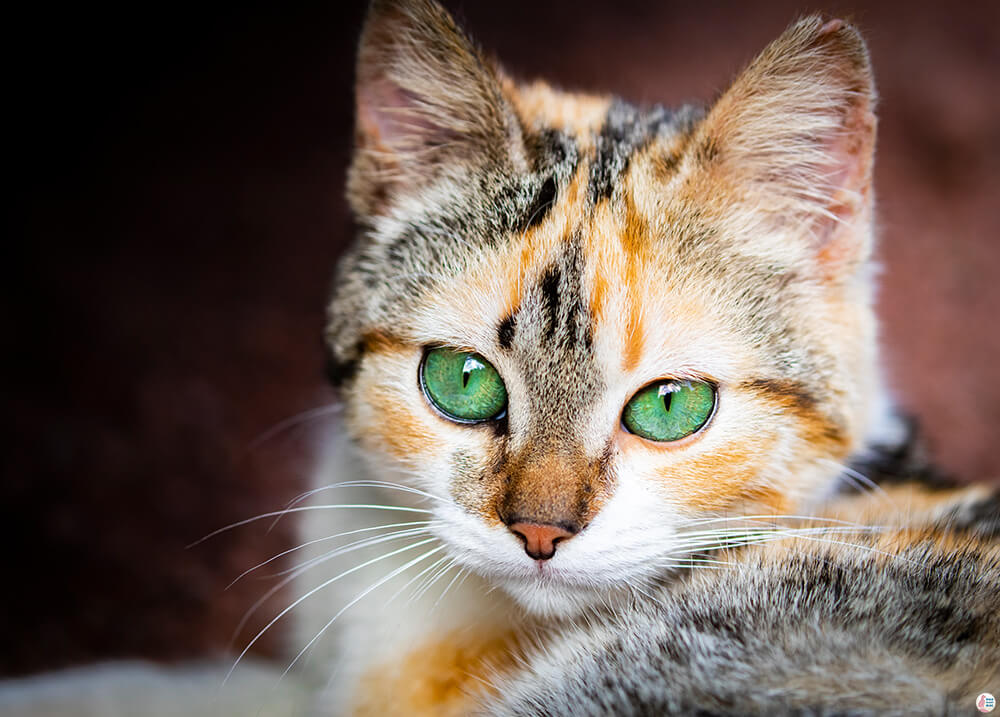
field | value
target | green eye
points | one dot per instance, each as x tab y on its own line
462	385
669	410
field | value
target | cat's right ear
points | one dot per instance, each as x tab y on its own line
791	145
429	106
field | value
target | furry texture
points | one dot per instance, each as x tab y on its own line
587	248
901	622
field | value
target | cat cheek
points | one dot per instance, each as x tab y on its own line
400	432
386	413
720	479
712	470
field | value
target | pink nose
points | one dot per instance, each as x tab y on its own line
540	539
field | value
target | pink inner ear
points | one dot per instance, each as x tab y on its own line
393	119
851	153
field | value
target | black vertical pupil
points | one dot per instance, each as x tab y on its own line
667	396
466	372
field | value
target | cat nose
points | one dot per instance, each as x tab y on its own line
540	538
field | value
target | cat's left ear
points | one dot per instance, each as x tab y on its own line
429	106
794	137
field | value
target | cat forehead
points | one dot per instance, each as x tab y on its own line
576	165
559	240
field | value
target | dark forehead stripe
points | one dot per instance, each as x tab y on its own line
553	346
493	204
552	150
554	157
554	313
565	316
625	131
549	288
505	332
544	199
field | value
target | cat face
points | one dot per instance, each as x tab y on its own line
585	327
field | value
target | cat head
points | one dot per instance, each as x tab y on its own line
585	326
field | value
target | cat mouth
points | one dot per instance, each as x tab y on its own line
545	592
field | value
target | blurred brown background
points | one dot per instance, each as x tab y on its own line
178	210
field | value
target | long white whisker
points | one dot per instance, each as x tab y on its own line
714	541
810	534
769	519
724	533
317	589
291	422
293	573
391	486
415	578
350	547
352	484
346	607
861	478
461	573
858	546
247	521
323	540
437	576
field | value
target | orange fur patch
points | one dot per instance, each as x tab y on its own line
720	479
540	105
635	242
399	427
443	678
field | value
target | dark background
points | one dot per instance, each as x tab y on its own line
178	207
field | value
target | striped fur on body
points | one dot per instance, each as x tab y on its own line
904	621
587	247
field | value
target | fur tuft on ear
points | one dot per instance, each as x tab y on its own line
428	103
794	137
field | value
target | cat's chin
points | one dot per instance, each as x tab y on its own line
548	599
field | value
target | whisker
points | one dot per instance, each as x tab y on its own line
342	610
316	589
291	422
292	574
699	561
810	534
733	518
462	572
415	578
247	521
302	567
686	566
860	478
859	546
390	485
718	541
725	533
322	540
352	484
437	576
350	547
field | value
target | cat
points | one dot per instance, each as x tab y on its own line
605	373
592	342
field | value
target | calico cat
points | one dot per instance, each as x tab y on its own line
581	345
605	373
